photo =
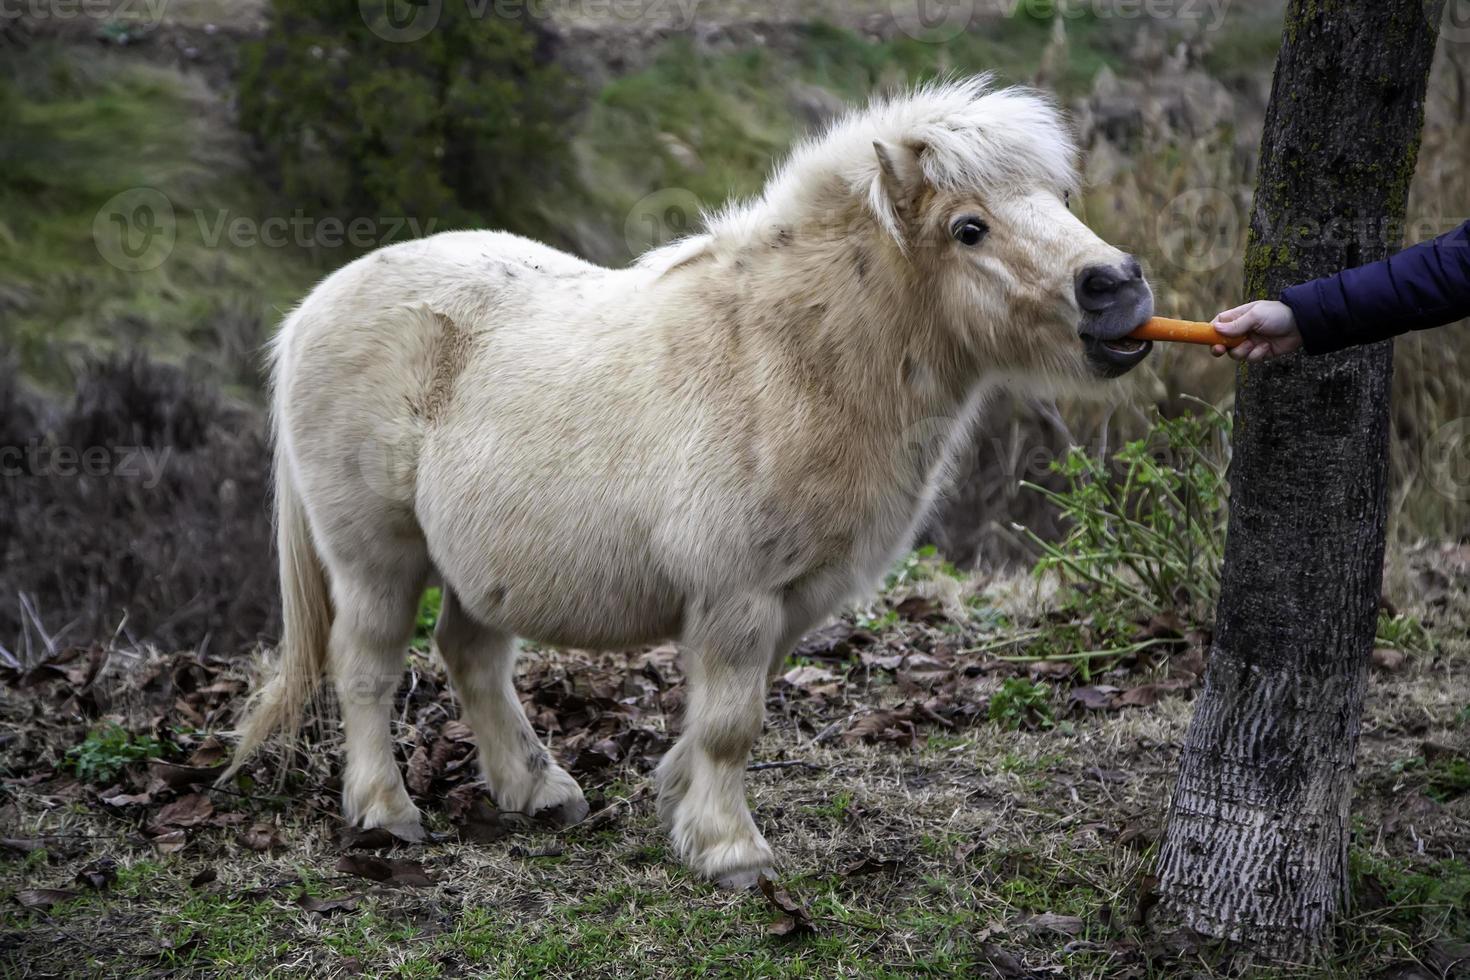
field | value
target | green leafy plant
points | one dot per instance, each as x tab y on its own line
1148	537
1021	703
1449	779
106	751
1402	632
1148	527
921	565
430	604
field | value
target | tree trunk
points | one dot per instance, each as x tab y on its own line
1257	840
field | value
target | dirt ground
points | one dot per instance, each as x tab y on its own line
916	835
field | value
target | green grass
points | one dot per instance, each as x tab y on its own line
1404	891
429	606
84	126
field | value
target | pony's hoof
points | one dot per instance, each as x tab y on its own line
567	813
744	881
412	832
403	821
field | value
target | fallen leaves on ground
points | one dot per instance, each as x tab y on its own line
328	906
262	838
385	870
187	811
794	918
1388	659
44	898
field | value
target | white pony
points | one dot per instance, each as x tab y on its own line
719	445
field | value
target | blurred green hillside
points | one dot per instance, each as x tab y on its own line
664	122
91	119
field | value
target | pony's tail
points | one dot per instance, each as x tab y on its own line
306	613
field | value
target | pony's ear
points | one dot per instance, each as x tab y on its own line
900	179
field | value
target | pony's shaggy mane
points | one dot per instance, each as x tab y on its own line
967	136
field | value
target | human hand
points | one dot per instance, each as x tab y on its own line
1269	329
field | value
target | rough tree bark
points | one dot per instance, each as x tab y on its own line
1257	839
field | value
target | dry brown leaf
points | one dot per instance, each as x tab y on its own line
169	842
186	811
807	675
182	777
1054	669
393	872
376	839
1105	776
457	731
128	799
1094	697
871	865
483	824
1147	695
1162	626
420	772
1388	660
262	837
98	875
328	906
884	726
1050	923
794	918
211	752
882	661
43	898
916	608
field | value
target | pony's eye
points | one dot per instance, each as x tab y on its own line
970	231
1067	199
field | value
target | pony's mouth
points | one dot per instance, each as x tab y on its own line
1116	357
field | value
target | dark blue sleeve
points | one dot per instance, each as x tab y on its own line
1427	285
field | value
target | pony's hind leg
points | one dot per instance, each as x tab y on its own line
702	779
519	772
371	631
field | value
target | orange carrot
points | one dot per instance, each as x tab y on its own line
1183	332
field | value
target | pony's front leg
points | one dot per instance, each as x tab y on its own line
702	779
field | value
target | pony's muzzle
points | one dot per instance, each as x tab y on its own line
1113	297
1114	300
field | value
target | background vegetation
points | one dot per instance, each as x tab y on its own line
966	773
